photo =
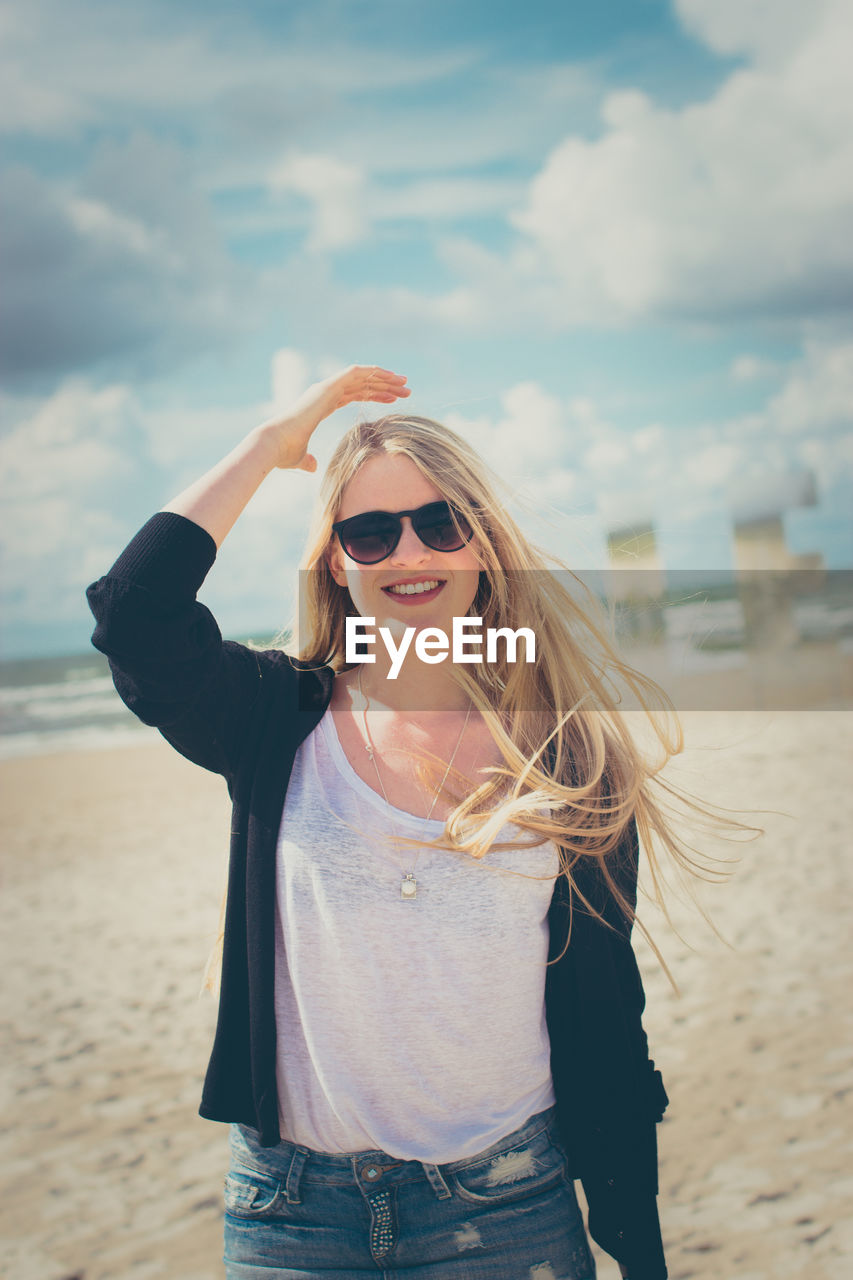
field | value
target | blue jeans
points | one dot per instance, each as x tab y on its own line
508	1213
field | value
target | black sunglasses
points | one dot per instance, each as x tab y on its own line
372	536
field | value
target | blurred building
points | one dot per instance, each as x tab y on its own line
758	517
770	576
636	581
636	570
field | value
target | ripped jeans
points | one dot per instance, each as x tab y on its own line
508	1213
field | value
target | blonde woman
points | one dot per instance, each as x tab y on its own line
430	1011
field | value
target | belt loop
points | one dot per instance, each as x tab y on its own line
294	1173
436	1181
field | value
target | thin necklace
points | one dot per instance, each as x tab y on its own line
408	885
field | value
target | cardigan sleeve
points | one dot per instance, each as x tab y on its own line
169	663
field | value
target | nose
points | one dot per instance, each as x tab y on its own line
410	549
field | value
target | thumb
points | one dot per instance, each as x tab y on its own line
308	463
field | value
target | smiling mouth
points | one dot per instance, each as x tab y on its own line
429	587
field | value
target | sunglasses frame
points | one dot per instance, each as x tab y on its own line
339	528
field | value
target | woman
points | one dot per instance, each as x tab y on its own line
430	1010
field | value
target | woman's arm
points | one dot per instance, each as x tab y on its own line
216	500
168	660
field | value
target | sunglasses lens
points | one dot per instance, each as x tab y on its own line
436	528
372	541
370	538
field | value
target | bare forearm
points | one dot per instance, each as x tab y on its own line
218	498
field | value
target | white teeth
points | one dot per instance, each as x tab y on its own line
414	588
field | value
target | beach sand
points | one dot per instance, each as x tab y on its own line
113	866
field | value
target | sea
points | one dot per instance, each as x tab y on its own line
66	704
61	704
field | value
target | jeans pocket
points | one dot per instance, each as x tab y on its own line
524	1170
249	1194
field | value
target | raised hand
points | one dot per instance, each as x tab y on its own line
216	500
290	432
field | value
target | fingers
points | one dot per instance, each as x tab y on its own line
366	382
374	376
383	386
375	371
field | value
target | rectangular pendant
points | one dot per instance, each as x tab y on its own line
409	886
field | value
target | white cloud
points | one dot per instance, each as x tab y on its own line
70	469
807	421
712	466
80	469
737	205
348	203
290	376
184	439
649	439
569	454
749	368
70	444
339	104
818	395
531	433
767	29
95	220
336	191
606	454
528	437
445	198
251	583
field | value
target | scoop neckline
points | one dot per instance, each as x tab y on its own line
344	767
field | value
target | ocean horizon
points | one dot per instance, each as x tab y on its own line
68	703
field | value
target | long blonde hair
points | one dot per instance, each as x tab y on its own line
572	771
557	722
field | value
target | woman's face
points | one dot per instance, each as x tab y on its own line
392	482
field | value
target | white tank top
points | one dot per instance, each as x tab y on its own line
416	1027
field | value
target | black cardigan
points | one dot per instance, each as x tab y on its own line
243	714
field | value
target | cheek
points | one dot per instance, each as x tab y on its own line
473	560
468	584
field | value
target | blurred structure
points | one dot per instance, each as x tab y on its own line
770	629
763	501
636	581
770	577
761	545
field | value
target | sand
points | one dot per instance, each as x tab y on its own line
113	864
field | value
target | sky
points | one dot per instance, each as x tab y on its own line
610	243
